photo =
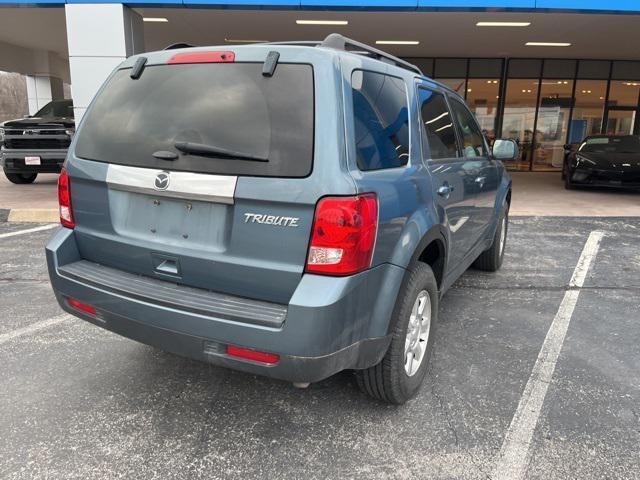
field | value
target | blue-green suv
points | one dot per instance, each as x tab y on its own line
291	210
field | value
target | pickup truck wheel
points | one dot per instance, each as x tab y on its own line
400	373
21	178
491	260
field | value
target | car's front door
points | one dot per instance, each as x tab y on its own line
482	170
446	165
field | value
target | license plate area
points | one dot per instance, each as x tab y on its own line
170	221
32	160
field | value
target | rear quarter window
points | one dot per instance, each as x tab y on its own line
381	120
231	106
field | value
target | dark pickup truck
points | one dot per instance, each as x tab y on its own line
37	144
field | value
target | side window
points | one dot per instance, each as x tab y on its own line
472	143
381	120
438	126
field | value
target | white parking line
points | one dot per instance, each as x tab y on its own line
29	230
515	453
33	328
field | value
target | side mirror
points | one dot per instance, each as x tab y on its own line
568	147
505	149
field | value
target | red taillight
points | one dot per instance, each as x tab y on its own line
343	235
64	200
253	355
202	57
83	307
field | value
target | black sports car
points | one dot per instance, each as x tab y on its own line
604	161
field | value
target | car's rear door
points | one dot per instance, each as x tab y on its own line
482	168
453	193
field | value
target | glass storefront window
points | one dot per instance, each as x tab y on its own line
622	107
519	117
482	98
588	109
577	98
458	85
621	122
624	93
553	123
424	64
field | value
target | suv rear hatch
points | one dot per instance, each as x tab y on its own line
158	167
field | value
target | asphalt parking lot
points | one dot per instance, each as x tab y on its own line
79	402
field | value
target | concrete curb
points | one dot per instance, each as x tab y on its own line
29	215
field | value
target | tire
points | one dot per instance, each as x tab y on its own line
391	380
21	178
491	260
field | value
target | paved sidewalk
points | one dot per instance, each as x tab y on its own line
543	194
37	202
40	194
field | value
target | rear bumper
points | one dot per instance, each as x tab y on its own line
13	160
331	324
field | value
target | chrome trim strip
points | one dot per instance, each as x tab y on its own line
186	185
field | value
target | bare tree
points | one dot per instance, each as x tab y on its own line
13	96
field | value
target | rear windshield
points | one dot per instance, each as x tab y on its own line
227	106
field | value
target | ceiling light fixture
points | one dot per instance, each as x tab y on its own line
503	24
547	44
322	22
155	19
397	42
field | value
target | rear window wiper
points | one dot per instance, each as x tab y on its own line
213	151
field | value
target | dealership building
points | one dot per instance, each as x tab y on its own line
545	72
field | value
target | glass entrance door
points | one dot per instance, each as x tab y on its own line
622	121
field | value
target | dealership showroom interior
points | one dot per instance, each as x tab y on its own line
404	243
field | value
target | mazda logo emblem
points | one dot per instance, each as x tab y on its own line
162	181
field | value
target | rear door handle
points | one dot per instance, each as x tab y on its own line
165	265
480	179
168	266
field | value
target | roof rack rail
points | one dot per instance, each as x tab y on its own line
340	42
303	43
